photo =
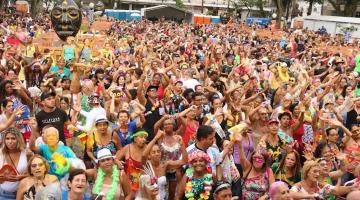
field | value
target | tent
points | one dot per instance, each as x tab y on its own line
167	11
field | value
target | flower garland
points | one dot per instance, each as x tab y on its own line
198	189
114	184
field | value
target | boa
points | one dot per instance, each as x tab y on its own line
114	184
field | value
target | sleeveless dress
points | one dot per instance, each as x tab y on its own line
133	169
255	187
97	147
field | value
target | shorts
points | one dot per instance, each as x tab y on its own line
5	195
171	176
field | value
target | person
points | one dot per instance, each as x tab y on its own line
205	138
37	180
289	168
198	180
353	195
58	155
272	142
102	138
222	191
279	191
77	183
96	110
14	154
51	115
109	180
164	167
309	187
148	190
133	156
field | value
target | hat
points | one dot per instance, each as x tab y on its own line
152	87
274	120
285	113
101	118
103	154
45	95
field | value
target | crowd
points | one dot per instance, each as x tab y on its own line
173	111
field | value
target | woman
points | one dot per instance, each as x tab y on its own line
163	164
102	138
279	191
289	168
222	191
310	187
69	50
258	176
76	186
12	153
109	180
197	182
86	51
38	178
149	189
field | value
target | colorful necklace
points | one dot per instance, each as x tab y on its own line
198	189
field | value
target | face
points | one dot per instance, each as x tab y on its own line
226	144
283	193
209	140
198	100
78	184
66	84
333	136
123	118
49	102
9	107
349	90
168	126
327	153
355	130
258	160
324	167
106	164
155	153
38	167
340	100
152	93
99	8
225	194
64	105
274	127
314	173
121	80
102	127
217	104
199	165
51	137
285	121
66	18
290	160
156	79
11	141
286	103
264	115
9	88
140	140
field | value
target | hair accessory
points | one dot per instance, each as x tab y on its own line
199	154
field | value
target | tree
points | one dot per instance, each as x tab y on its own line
179	4
244	3
350	7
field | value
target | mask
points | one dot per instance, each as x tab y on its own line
66	19
99	8
259	160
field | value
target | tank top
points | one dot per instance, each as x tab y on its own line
97	147
133	169
255	187
119	192
69	53
170	152
21	169
189	134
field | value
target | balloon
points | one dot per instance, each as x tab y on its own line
66	19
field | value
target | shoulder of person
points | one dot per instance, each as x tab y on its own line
51	178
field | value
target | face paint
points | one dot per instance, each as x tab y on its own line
99	8
66	19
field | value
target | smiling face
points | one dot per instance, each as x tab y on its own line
290	160
314	173
106	164
199	165
102	127
258	160
283	193
78	184
38	168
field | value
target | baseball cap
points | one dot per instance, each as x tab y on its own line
45	95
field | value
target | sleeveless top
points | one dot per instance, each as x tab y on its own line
97	147
170	153
189	134
255	187
119	192
69	53
21	169
133	169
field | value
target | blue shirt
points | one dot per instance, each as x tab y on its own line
47	153
65	195
125	137
66	72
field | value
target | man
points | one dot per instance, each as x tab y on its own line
152	106
124	129
259	126
205	138
51	115
96	110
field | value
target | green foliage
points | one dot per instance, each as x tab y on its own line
346	28
179	4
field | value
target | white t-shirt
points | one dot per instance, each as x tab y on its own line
190	83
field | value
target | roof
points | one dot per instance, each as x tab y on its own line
352	20
163	6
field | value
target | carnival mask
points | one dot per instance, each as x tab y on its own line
66	19
99	8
